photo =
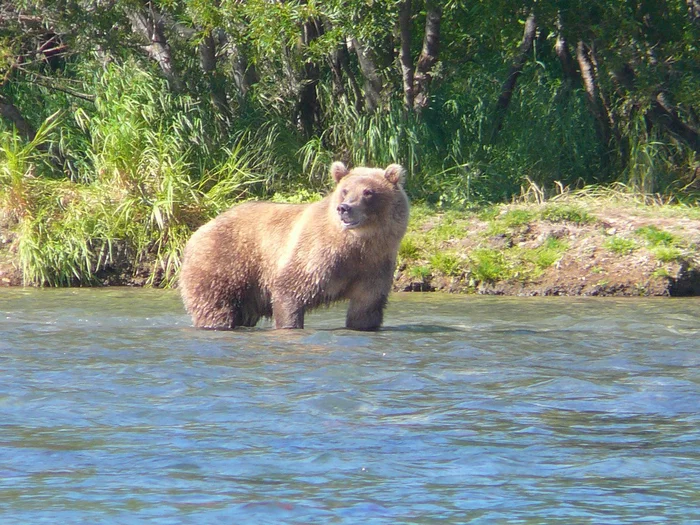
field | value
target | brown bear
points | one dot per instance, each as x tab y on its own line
263	259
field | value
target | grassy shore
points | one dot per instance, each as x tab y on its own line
594	242
586	243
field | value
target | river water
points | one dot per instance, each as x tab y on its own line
461	410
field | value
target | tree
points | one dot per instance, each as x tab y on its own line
416	82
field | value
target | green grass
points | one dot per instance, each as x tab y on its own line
409	247
420	273
517	217
665	246
655	236
147	180
510	221
566	213
548	254
447	263
488	265
488	213
667	254
620	245
661	272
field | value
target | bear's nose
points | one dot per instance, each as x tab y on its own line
344	208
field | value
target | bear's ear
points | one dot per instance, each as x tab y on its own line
338	171
395	174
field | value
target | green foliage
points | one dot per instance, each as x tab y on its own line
655	236
620	245
513	219
420	273
488	265
20	164
661	273
488	213
667	254
517	217
147	180
141	160
409	248
665	246
447	263
566	213
548	254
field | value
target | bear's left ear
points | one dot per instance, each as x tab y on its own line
338	171
395	174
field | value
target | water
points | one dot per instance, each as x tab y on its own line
462	410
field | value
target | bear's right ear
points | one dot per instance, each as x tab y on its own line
338	171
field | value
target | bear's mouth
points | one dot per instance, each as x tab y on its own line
347	223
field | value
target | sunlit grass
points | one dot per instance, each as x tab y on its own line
447	263
488	265
566	213
667	254
655	236
620	245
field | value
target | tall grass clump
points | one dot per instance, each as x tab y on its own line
656	164
150	174
21	164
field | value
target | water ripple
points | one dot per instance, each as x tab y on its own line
461	410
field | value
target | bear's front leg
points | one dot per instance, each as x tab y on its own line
366	311
287	312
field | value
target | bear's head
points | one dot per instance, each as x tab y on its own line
368	197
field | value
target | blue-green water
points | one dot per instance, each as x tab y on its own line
462	410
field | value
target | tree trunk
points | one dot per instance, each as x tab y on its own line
340	65
217	85
309	109
429	54
244	74
405	52
662	113
593	97
561	48
150	27
518	64
373	82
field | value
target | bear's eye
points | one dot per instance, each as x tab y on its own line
343	193
368	193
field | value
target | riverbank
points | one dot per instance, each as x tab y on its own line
590	245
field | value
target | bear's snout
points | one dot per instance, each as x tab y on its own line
349	216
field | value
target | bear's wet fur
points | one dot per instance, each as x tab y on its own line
263	259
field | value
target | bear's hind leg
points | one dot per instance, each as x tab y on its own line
216	319
217	312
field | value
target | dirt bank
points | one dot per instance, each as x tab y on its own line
614	250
